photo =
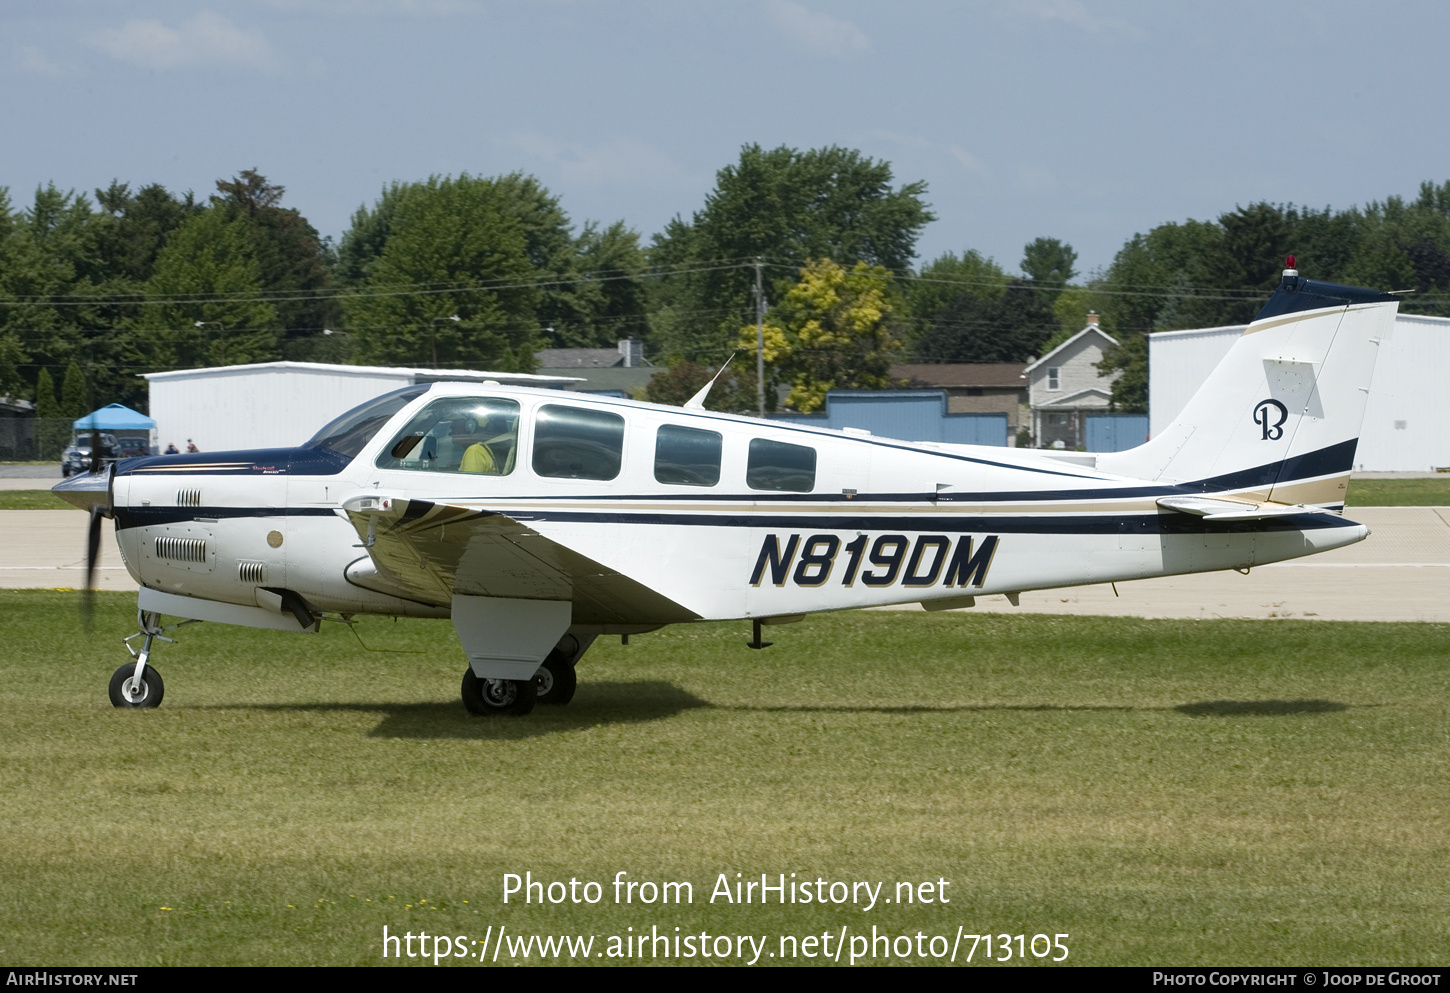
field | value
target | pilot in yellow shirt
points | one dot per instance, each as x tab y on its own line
477	459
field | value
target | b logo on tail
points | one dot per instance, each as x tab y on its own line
1273	430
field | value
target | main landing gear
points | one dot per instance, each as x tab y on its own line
554	683
492	697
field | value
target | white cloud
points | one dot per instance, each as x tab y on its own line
31	60
619	161
969	161
820	34
208	38
1075	14
957	153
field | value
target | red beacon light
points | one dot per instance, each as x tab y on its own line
1289	270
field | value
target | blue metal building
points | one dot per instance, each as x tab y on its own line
907	415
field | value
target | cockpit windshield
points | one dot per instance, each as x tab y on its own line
351	432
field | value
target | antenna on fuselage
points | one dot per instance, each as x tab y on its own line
697	402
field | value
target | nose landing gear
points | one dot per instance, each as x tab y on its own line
139	685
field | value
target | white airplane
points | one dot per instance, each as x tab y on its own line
537	520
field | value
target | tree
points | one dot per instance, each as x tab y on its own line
465	242
205	298
733	392
75	399
576	292
783	206
835	329
967	310
294	264
52	430
1049	262
48	259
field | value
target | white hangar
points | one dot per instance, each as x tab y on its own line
282	404
1403	421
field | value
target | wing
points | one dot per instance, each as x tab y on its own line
432	551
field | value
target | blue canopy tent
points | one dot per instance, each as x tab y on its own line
114	417
119	420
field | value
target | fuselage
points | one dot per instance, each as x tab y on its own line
724	516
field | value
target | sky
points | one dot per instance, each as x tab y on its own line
1080	120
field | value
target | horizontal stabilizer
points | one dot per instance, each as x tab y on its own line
1219	509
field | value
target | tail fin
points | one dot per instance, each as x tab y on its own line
1279	418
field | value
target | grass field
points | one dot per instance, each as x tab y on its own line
1162	792
1362	493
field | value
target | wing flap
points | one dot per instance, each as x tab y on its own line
439	550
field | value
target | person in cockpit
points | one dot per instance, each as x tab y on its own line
476	456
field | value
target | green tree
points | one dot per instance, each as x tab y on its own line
205	297
835	329
49	262
52	429
733	392
294	264
1049	262
783	206
968	310
581	292
131	231
465	242
75	398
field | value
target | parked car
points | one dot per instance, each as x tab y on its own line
130	447
77	458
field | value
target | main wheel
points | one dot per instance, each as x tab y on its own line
556	680
126	692
491	697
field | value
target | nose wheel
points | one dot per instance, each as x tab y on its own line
130	690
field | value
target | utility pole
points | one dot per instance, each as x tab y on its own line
759	339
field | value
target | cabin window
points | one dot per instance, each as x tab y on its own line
774	465
1054	377
687	456
458	434
578	443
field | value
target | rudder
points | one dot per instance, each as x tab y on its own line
1279	418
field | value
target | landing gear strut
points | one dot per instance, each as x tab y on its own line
139	685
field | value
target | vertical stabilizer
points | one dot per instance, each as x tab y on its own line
1279	418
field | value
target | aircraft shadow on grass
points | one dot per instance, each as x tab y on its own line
618	702
1259	708
596	705
1206	708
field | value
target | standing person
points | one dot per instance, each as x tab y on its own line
191	446
171	449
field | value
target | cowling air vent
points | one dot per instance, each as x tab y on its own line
181	549
251	572
188	498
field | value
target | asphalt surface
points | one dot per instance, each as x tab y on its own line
1400	573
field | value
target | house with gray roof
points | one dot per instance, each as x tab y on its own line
1064	386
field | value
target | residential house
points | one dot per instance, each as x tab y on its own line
1064	386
